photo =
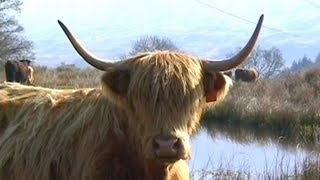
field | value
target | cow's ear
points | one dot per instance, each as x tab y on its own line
115	85
216	86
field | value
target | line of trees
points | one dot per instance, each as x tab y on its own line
304	63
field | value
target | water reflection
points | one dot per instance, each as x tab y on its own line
288	139
214	150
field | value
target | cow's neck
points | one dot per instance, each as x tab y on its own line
129	153
152	169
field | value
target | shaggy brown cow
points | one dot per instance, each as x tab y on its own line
246	75
19	71
137	126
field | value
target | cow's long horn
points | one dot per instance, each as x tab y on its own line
96	62
240	57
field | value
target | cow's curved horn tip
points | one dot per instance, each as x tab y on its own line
261	16
60	23
65	29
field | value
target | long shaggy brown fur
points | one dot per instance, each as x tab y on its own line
53	129
97	133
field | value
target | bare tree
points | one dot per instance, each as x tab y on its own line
267	62
152	43
9	5
13	45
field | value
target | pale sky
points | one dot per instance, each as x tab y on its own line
201	27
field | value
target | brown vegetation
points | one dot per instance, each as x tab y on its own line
288	106
64	77
307	170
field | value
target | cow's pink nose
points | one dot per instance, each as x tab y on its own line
167	148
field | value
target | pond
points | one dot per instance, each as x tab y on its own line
214	151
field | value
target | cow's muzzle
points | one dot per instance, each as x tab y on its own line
169	148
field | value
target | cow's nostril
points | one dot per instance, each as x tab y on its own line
167	148
177	145
155	145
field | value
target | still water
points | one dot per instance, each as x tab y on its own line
219	152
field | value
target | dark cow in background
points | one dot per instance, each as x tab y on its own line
246	75
19	71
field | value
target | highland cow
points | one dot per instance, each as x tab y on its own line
19	71
246	75
137	126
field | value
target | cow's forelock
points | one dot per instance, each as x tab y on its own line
166	95
165	87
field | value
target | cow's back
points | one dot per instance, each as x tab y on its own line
43	128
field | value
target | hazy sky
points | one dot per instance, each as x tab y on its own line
207	28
